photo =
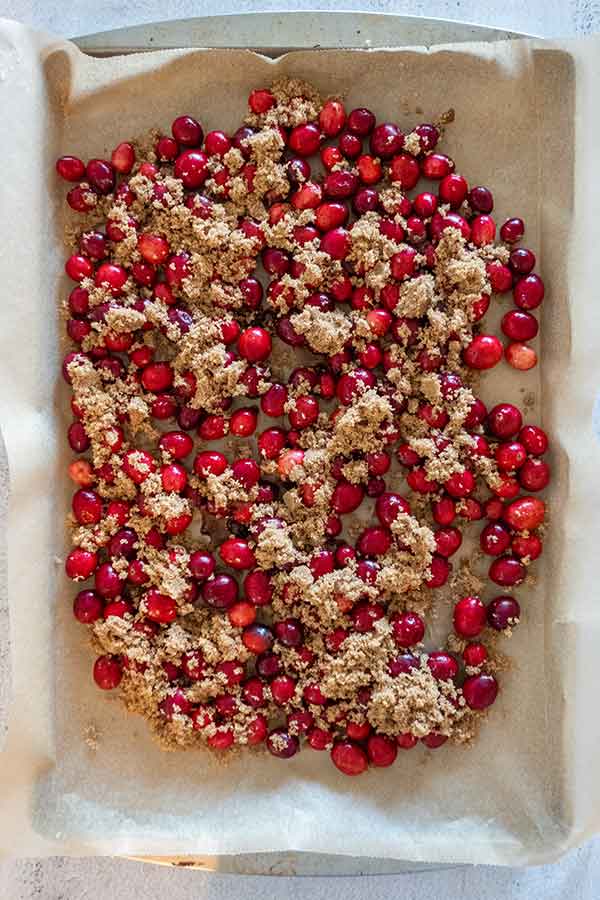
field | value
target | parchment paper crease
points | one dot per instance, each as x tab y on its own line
527	126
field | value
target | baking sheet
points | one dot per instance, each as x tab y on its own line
529	787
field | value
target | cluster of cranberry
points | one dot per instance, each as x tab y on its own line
345	193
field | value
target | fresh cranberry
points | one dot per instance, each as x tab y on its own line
480	691
519	325
529	292
504	421
305	139
107	672
236	554
100	175
469	616
512	230
443	666
522	261
434	739
526	546
507	571
405	171
436	166
382	750
534	440
481	199
534	475
447	540
525	514
386	140
340	185
220	591
484	352
349	758
87	607
346	497
374	541
520	356
365	615
500	277
191	167
282	744
475	654
283	688
408	629
494	539
510	456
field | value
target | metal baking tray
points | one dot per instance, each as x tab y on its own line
287	31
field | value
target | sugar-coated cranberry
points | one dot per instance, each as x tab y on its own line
282	744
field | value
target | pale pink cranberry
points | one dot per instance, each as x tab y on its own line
522	261
87	607
405	171
382	750
469	616
191	167
534	475
520	356
107	672
494	539
529	292
480	691
512	230
519	325
443	666
100	175
237	554
408	628
507	571
386	140
220	591
349	758
475	654
504	421
480	200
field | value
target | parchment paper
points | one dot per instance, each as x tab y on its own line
526	125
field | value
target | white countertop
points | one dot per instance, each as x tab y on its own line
578	874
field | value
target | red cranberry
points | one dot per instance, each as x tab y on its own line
447	541
346	497
469	616
519	325
107	672
480	691
504	421
71	168
350	145
100	175
87	607
257	638
160	608
187	131
221	591
361	121
340	184
507	571
437	166
382	750
332	118
481	200
418	481
522	261
460	484
534	440
123	543
405	171
364	616
191	167
510	456
494	539
443	666
525	514
512	230
408	629
403	664
349	758
386	140
483	230
283	689
403	263
529	292
107	581
192	663
434	739
82	198
453	189
500	277
305	139
406	741
236	554
374	541
241	614
484	352
289	632
534	474
475	654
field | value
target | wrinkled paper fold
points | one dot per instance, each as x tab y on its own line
527	126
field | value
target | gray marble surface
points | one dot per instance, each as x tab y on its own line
578	874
